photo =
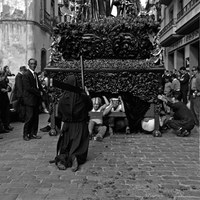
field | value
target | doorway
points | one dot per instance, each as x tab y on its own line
194	54
43	59
180	58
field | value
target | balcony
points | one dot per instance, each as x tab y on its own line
45	20
168	34
165	2
187	18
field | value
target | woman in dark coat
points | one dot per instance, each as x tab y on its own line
72	147
4	99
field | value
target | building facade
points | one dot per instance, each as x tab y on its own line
25	31
179	34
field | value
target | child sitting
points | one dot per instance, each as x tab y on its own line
95	125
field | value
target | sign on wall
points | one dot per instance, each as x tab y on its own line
188	38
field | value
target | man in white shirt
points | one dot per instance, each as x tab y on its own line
96	125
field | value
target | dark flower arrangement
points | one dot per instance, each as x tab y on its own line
116	52
144	84
108	38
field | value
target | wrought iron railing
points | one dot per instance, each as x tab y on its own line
45	18
187	8
168	26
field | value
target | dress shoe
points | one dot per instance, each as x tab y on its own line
26	138
46	129
98	138
90	137
179	132
128	130
74	165
61	166
35	137
185	133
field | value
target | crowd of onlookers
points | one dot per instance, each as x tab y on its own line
182	84
185	84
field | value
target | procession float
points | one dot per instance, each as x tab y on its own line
111	56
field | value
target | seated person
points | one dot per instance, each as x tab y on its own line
96	126
117	105
182	120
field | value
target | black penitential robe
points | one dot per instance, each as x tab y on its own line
73	110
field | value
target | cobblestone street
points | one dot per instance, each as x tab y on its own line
134	167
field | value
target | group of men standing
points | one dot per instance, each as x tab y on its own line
187	86
27	95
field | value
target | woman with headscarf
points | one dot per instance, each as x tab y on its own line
73	108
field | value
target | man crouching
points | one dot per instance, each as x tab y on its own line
182	121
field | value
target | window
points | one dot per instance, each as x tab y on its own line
164	16
52	8
43	59
180	5
43	4
171	14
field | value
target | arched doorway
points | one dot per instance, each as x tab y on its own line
43	59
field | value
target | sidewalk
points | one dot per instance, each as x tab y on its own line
134	167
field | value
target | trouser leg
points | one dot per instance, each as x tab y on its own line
174	124
184	96
101	131
111	124
197	109
28	121
35	121
5	115
177	125
192	102
91	125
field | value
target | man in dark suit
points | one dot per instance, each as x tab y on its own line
32	98
4	99
17	95
184	81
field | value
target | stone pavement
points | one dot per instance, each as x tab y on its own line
134	167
